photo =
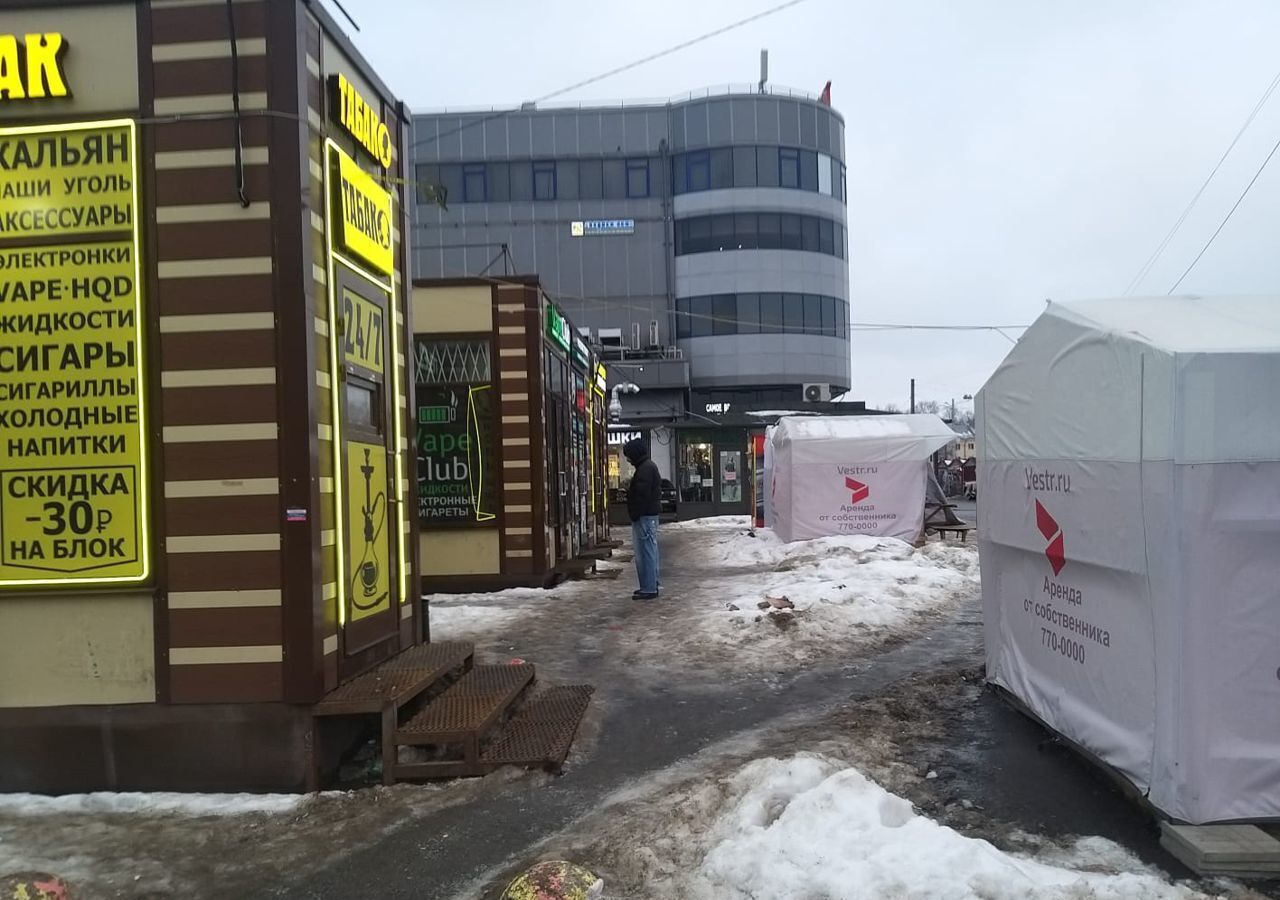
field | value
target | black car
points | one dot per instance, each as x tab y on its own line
668	491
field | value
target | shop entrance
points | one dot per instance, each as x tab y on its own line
366	515
713	472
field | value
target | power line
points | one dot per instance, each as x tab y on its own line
851	327
684	45
1152	259
1227	218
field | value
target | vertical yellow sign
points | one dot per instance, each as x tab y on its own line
368	530
365	209
363	336
73	478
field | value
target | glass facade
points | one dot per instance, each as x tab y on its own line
743	165
621	178
634	177
763	313
759	231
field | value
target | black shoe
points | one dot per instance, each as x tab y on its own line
644	595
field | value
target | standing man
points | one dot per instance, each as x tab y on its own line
644	504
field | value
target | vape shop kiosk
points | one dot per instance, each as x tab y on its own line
509	430
205	477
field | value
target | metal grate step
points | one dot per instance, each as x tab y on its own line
468	709
541	733
397	680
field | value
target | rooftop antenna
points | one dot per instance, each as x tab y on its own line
764	69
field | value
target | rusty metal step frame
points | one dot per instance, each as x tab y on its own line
397	680
464	714
542	731
390	685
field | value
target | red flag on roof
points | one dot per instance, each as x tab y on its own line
825	99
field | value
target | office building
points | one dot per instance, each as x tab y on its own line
700	243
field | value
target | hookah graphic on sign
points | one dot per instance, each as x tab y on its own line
370	581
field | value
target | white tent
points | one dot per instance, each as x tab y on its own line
852	474
1129	466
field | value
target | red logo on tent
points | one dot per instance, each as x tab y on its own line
860	491
1053	534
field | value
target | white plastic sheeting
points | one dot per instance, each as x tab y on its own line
1129	518
851	474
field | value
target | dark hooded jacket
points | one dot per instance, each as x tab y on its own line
644	496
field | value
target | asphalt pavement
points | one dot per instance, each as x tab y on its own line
1004	763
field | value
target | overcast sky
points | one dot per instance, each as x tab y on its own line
1000	152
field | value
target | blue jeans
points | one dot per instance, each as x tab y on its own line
644	534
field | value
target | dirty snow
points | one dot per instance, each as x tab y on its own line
829	594
807	827
710	522
154	804
207	846
474	616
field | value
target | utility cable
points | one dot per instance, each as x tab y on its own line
1227	218
684	45
1155	256
235	105
564	299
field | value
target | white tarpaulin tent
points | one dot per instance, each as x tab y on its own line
1129	514
852	474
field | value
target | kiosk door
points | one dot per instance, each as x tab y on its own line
367	506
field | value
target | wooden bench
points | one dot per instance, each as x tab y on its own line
961	530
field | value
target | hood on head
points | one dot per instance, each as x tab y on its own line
635	451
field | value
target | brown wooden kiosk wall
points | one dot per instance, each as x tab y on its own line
522	545
203	676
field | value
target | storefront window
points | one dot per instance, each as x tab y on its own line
730	476
697	477
457	478
619	468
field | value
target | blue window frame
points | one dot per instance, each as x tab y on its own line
544	179
637	178
697	171
788	167
474	183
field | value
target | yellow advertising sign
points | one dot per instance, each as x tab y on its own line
73	477
58	185
368	530
31	69
364	215
362	331
361	122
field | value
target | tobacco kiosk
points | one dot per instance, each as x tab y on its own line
510	426
205	479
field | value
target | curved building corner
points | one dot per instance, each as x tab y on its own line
701	246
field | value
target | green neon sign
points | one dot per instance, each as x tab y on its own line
457	482
558	327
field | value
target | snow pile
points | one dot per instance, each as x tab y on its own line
464	616
804	827
710	522
153	804
844	585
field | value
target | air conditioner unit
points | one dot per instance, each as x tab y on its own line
817	393
611	337
635	335
653	332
